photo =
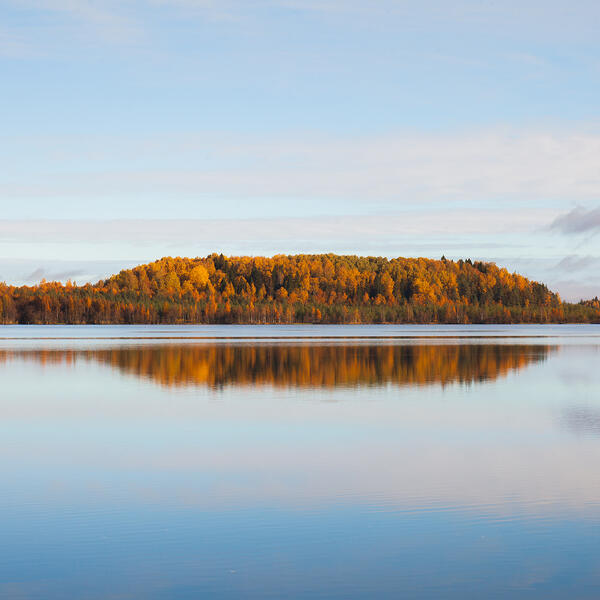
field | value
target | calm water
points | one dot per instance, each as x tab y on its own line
300	462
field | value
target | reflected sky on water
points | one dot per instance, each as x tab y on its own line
345	468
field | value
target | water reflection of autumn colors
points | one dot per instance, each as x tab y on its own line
303	365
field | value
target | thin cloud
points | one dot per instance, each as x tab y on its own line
36	276
107	20
61	276
578	220
13	45
113	22
41	273
358	228
398	169
573	263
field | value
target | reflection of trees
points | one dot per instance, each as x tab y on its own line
304	365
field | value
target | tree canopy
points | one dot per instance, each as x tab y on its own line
304	288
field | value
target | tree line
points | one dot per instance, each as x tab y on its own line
321	288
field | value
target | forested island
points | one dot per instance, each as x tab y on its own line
321	288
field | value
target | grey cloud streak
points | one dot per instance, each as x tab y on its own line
82	270
577	263
578	220
41	273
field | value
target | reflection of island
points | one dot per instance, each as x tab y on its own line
304	365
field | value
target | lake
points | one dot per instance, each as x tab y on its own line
339	462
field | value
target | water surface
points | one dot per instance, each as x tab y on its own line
300	462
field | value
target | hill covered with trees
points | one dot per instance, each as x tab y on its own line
322	288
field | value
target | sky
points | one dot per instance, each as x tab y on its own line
135	129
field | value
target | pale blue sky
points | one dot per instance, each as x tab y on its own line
463	128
